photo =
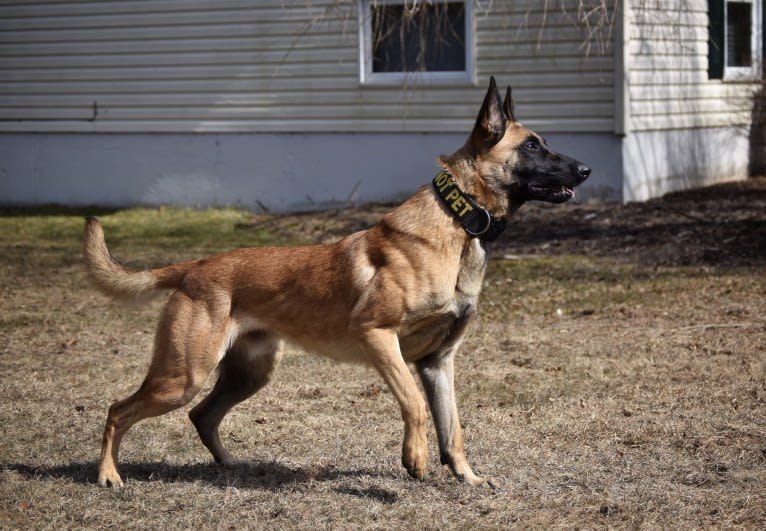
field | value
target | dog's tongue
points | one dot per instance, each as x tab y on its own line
570	191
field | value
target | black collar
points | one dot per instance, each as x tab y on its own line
476	221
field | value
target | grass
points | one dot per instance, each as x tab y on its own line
598	394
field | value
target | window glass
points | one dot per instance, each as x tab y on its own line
739	33
418	38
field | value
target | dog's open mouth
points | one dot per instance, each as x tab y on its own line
551	194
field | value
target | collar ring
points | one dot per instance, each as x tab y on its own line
482	232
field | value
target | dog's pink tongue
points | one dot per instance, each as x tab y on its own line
570	191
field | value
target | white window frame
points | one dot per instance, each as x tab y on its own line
744	73
368	77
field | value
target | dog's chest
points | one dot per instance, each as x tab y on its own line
442	325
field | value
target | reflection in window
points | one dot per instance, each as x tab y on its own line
418	38
739	26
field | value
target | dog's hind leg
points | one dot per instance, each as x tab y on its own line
190	340
246	368
437	374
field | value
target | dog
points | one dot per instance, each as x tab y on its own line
403	291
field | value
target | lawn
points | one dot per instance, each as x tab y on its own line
597	390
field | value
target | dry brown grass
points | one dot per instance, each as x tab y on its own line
598	393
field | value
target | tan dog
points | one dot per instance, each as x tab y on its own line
402	291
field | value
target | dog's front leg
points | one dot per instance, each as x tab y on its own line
382	349
437	374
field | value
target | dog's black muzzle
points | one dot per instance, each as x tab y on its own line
553	181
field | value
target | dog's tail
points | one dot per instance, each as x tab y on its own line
116	280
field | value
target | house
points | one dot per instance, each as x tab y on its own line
282	105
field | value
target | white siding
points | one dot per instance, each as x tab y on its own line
562	81
668	79
274	66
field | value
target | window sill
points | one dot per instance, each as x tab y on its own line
741	75
399	79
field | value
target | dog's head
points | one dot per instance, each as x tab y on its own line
516	161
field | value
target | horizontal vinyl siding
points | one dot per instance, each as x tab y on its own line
558	84
669	85
274	66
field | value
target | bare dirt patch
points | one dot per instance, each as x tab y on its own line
722	225
616	378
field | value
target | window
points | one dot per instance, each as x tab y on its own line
735	46
739	34
416	41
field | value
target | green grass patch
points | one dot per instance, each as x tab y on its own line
51	237
212	229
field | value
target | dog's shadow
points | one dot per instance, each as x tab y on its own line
271	476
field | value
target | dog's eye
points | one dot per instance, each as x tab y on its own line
532	146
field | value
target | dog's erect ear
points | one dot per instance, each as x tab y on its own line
491	122
508	105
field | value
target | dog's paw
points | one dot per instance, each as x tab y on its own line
110	479
416	472
476	481
416	462
488	483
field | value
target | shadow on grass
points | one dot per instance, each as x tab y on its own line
372	493
256	475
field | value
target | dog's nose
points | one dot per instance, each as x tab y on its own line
583	171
